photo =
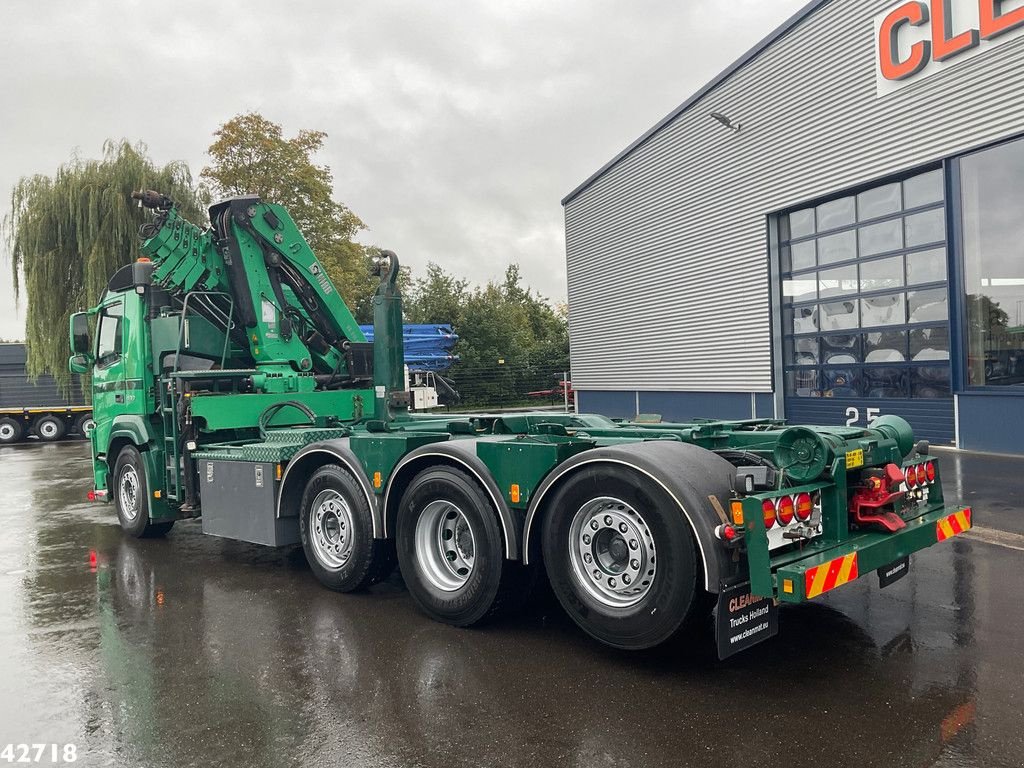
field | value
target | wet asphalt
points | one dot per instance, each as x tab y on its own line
193	651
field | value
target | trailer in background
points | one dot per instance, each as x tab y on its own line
37	407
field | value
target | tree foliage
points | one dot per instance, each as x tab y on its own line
251	156
511	340
68	233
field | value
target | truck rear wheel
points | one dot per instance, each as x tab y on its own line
11	430
131	494
336	529
621	558
50	428
450	549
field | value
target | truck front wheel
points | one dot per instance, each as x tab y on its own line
450	550
131	494
11	430
336	529
621	558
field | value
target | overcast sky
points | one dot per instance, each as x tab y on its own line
454	128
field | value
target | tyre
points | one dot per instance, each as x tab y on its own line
621	558
84	425
451	552
11	430
336	529
50	428
131	492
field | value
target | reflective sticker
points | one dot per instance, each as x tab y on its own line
830	575
956	523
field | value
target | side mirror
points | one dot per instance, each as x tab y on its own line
80	363
80	333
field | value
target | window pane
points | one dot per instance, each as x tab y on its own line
885	347
840	349
838	213
802	255
929	343
993	202
881	237
801	223
108	344
889	309
923	189
839	247
837	282
881	274
802	383
804	319
838	315
800	289
929	381
840	382
880	201
928	306
801	351
927	227
885	381
926	266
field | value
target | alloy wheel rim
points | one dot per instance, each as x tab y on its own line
332	529
6	431
445	545
48	429
128	492
612	552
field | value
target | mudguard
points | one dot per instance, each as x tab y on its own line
311	458
690	475
462	454
134	429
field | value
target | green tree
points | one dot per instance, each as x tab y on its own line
251	156
68	233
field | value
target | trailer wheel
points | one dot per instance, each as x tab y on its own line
11	430
336	529
131	492
50	428
450	550
621	558
85	425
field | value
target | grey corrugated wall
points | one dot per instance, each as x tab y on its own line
667	251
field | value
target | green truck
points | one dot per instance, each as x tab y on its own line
231	382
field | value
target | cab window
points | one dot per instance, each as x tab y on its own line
108	334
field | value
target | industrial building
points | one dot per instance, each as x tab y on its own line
830	230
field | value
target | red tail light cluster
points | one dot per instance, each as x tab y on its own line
920	474
785	509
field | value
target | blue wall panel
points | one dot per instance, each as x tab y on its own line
765	405
614	405
992	423
683	406
932	419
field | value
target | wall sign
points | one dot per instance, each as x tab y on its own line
916	39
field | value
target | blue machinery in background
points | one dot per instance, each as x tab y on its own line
428	347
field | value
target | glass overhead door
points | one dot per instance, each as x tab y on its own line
865	309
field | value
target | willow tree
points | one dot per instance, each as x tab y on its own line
68	233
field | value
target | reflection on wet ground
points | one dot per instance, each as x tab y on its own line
197	651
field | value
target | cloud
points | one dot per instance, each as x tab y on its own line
454	129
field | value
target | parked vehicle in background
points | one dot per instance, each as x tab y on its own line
37	407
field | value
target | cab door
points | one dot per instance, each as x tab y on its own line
109	390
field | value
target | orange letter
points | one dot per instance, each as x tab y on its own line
994	22
944	46
915	14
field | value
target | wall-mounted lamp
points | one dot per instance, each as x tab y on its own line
724	120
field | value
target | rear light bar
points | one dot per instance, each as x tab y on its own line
790	518
920	475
